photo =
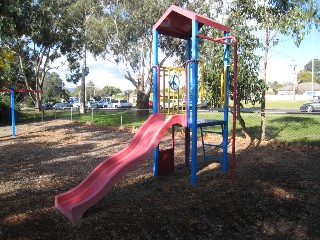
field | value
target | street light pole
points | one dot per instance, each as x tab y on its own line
312	71
294	79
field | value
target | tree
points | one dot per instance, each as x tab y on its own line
306	74
109	91
30	31
249	86
90	90
290	18
129	40
316	68
53	88
86	32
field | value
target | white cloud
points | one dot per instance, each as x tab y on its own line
101	72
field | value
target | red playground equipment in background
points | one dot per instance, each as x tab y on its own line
180	23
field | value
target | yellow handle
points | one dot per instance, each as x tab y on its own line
223	86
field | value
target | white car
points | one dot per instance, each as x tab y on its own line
119	104
61	105
88	105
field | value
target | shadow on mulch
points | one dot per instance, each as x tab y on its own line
275	195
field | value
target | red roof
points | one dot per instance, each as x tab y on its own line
177	22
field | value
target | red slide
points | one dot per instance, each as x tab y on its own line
95	186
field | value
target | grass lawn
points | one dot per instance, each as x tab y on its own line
279	104
106	117
303	128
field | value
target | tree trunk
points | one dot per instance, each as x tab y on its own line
242	123
142	103
83	82
263	94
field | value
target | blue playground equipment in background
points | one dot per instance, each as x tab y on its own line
183	24
12	89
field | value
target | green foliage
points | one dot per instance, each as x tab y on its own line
109	91
316	67
249	85
306	74
53	88
7	66
32	31
275	85
82	23
129	40
5	107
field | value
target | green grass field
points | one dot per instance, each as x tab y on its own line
279	104
303	128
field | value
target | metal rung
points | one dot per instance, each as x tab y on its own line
208	131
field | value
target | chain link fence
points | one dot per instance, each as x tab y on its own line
293	127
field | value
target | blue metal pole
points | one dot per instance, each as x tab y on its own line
194	102
188	56
226	63
155	62
155	76
187	109
13	119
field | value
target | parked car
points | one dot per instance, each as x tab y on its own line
122	103
46	106
88	105
310	107
103	103
62	105
200	104
91	105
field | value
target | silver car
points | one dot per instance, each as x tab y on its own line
310	107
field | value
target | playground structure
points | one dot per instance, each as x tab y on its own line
172	89
12	89
180	23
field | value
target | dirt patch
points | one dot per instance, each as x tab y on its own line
275	193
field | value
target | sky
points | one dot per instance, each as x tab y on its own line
284	56
280	68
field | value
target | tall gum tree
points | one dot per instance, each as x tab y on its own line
129	42
292	18
249	85
30	30
84	28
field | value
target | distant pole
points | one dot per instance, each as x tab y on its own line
13	119
295	83
312	72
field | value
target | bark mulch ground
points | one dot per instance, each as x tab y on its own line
275	193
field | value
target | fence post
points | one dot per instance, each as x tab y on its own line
92	114
71	113
121	119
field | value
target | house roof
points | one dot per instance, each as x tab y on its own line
286	88
308	85
301	87
177	22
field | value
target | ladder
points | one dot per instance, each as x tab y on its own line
213	146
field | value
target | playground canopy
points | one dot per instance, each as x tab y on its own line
177	22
